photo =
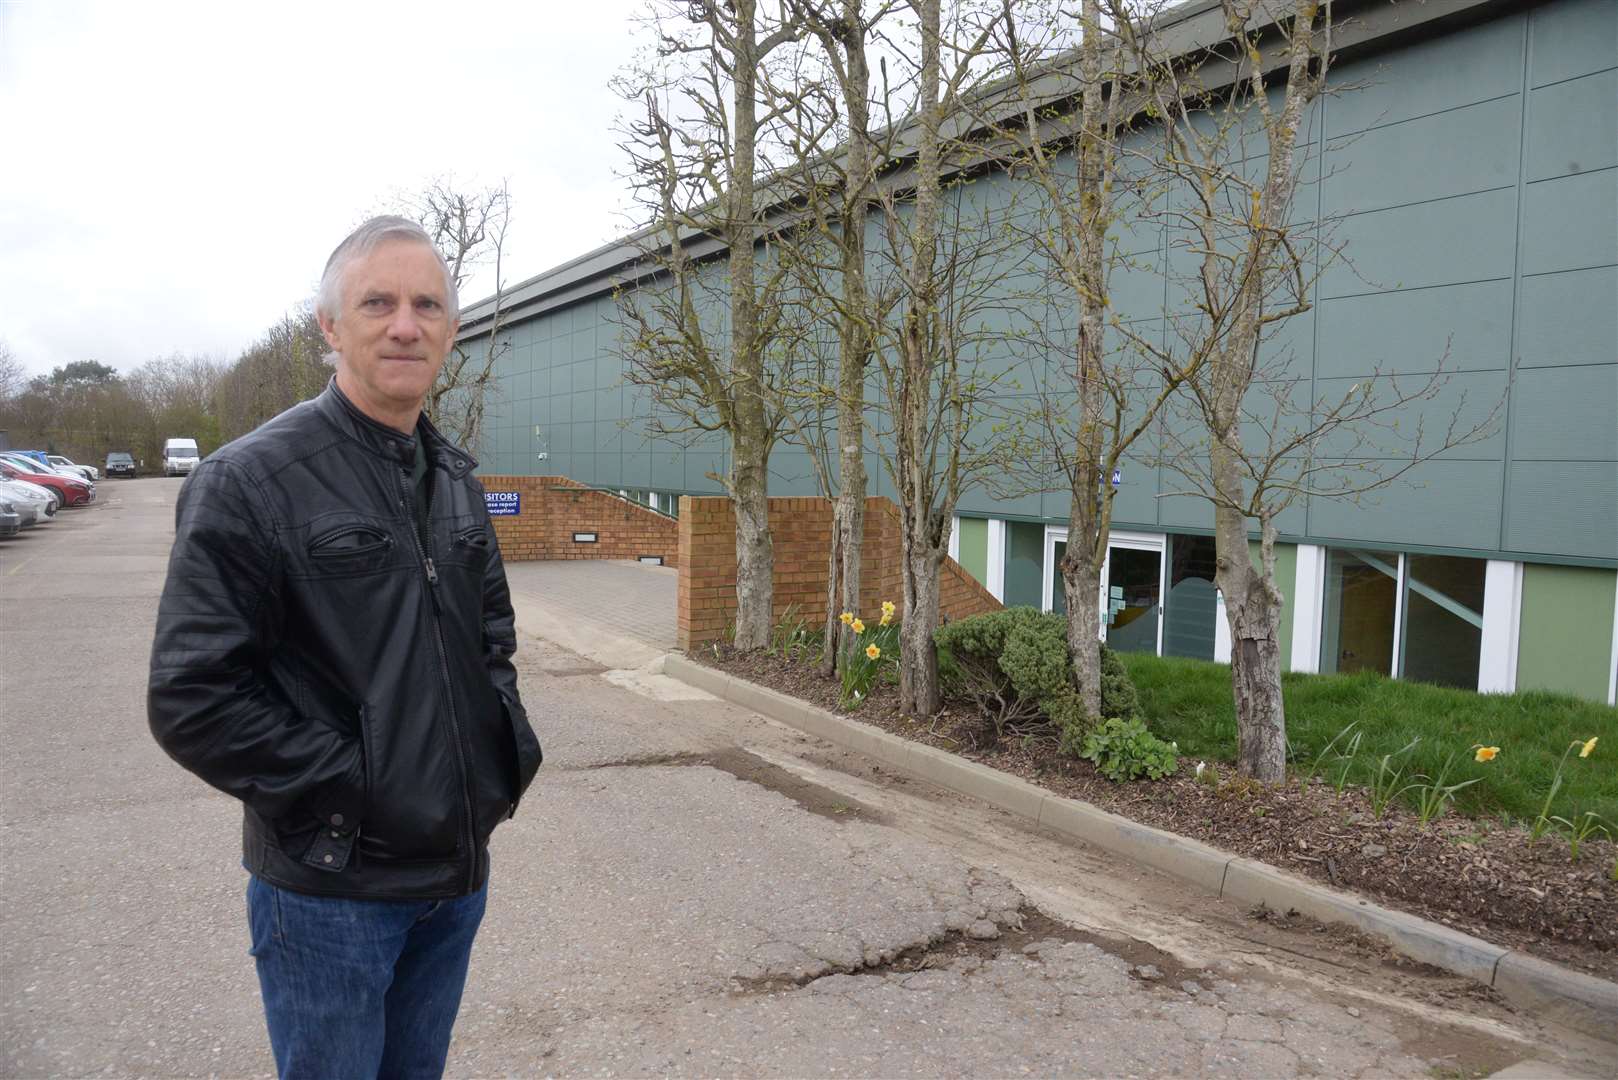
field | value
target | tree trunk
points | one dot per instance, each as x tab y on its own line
1089	520
843	582
1081	590
755	564
755	555
920	352
831	649
1255	680
918	658
1253	612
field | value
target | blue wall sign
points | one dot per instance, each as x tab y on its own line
501	503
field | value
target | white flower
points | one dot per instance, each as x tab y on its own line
1200	766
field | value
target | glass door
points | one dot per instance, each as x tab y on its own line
1132	605
1131	588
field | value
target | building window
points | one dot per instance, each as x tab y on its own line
1442	635
1133	600
1192	606
1131	588
1414	616
1362	600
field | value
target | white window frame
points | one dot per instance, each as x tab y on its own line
1135	541
1502	616
1612	670
1502	607
996	556
1309	607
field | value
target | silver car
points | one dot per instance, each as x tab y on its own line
34	503
89	472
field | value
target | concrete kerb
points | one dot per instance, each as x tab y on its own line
1250	882
1579	1001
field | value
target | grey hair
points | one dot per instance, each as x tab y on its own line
366	239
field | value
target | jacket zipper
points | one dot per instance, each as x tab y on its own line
408	502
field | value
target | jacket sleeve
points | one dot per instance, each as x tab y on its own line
499	629
500	642
207	702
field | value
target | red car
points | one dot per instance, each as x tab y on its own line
72	492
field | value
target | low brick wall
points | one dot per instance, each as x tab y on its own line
801	529
554	508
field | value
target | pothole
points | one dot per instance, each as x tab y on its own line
1148	964
818	800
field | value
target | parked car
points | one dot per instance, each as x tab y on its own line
71	491
10	520
179	457
120	463
89	472
36	504
36	459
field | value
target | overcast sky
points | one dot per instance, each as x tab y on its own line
174	174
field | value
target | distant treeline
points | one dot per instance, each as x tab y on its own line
86	409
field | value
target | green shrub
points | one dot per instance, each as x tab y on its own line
1118	695
1122	749
1014	665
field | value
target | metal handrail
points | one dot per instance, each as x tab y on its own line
618	493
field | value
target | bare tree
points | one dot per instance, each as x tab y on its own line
469	228
13	376
837	152
695	153
935	396
1060	121
283	367
1253	441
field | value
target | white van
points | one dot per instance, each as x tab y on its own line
179	456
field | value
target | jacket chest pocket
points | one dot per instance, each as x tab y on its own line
347	548
470	543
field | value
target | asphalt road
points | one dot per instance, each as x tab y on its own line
691	890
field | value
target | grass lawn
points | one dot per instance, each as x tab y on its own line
1189	701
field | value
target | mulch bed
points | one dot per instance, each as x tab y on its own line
1480	876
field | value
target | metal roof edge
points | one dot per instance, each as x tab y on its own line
592	273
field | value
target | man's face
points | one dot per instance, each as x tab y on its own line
392	331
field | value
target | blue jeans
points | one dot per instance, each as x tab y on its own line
360	988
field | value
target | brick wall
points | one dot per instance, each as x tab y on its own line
801	529
554	508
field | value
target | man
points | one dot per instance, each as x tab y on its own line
334	649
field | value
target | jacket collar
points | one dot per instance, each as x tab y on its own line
384	441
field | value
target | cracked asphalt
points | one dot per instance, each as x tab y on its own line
691	890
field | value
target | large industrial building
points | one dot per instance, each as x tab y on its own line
1471	176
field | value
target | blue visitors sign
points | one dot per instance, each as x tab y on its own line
503	502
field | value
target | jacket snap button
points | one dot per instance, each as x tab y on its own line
326	858
337	819
335	834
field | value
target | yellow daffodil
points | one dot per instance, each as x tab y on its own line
846	617
857	626
888	607
1588	747
885	619
1486	753
872	651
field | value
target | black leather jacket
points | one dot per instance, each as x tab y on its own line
352	689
